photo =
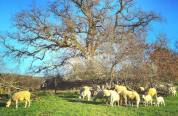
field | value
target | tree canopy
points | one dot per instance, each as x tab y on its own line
80	28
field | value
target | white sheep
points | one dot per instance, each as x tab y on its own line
160	100
147	99
172	90
85	93
20	96
112	95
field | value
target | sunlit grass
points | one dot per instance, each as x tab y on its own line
67	104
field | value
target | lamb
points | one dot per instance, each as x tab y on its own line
147	99
85	93
112	95
160	100
172	90
152	92
20	96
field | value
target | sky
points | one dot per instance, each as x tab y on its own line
168	9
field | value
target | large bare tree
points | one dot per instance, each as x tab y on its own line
73	28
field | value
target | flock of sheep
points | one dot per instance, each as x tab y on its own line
120	95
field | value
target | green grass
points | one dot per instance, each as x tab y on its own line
67	104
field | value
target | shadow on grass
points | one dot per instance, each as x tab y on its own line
67	95
2	104
72	97
84	102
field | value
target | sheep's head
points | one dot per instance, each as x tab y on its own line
142	88
8	103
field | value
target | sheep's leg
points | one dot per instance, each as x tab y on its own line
29	103
162	103
145	103
25	103
129	103
151	103
137	102
125	98
88	98
118	103
16	104
111	103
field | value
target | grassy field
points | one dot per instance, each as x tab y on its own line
67	104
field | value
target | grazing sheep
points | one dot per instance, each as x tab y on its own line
113	96
20	96
147	99
172	90
85	93
131	96
120	90
152	92
160	100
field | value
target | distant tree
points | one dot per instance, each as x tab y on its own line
167	63
162	41
176	46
